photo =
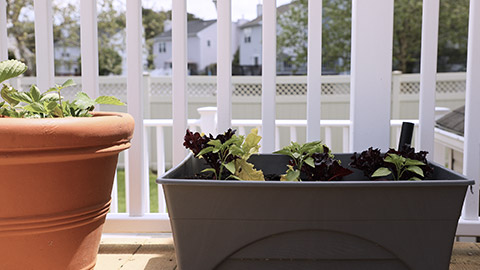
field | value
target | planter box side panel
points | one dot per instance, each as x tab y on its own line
268	225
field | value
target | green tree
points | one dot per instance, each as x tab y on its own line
407	35
110	63
452	43
21	30
335	34
453	35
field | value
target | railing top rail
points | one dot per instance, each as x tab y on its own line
278	122
167	122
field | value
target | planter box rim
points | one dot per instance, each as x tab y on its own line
166	180
360	183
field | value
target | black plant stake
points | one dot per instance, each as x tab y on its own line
406	135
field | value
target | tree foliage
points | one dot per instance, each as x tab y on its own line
110	63
22	32
66	29
336	34
336	27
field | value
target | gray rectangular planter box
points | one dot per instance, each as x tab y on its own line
349	224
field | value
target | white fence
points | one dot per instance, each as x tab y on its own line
450	92
291	99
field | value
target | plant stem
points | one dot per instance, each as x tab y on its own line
60	102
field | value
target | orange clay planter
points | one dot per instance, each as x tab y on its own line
56	178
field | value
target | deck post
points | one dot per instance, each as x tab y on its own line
371	74
471	154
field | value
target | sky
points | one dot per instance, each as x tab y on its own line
205	9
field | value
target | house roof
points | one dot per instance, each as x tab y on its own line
258	20
193	28
453	121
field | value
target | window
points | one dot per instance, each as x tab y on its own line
247	35
208	43
162	47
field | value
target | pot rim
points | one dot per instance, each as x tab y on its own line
27	140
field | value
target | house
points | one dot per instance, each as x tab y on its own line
251	47
201	44
67	59
68	56
453	126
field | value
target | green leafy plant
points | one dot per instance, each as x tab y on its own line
314	161
227	154
401	166
50	104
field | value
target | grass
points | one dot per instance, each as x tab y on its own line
122	208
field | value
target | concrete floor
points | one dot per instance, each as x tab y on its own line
157	252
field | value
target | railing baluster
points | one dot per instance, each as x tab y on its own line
293	134
162	208
314	69
44	44
269	69
241	130
345	139
428	73
136	170
89	47
3	31
114	203
146	172
160	150
224	56
277	138
328	136
179	77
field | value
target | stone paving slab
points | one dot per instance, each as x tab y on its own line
136	254
157	252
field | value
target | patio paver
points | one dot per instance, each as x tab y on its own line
158	253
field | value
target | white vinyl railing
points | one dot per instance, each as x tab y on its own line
370	86
204	124
157	221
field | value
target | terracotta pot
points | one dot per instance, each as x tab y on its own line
56	178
